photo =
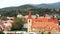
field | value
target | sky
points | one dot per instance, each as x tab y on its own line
9	3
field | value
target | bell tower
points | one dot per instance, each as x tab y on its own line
29	22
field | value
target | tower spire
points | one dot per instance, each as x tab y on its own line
29	14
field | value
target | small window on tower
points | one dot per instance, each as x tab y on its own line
29	20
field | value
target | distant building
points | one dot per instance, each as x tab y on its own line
20	16
57	10
7	24
33	16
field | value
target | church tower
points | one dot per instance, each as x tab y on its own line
29	22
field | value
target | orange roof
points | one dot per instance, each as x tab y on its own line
59	28
43	23
56	20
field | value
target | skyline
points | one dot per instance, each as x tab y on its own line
9	3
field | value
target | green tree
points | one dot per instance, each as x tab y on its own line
3	18
18	24
1	32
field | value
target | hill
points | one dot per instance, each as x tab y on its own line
34	8
53	5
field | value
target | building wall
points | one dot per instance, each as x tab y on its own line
31	29
29	25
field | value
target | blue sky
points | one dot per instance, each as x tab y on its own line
8	3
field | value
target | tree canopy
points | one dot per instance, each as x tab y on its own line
18	24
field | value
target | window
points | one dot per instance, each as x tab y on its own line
29	20
49	32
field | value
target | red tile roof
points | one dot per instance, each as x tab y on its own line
44	23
